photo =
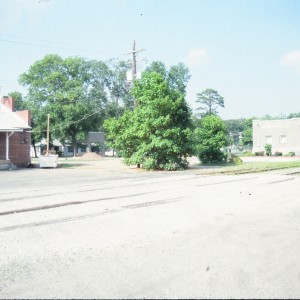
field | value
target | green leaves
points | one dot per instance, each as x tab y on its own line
247	139
210	100
156	134
210	137
176	78
77	93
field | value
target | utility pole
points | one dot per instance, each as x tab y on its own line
48	135
131	76
134	61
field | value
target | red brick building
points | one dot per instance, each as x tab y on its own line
15	136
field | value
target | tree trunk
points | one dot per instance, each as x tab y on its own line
74	149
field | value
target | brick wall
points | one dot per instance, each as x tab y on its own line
19	142
8	102
25	115
2	145
19	148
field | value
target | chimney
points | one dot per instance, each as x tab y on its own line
8	102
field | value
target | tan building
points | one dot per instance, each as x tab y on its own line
283	135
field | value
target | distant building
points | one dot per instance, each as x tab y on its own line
15	136
95	142
283	135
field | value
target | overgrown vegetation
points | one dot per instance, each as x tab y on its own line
157	134
148	122
77	93
210	137
268	149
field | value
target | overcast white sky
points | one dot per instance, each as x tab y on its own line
249	51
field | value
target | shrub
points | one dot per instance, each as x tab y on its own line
268	149
211	156
259	153
248	153
233	159
210	137
291	153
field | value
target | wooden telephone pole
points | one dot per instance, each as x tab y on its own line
48	134
134	61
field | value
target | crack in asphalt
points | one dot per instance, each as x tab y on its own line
61	193
151	203
182	179
69	203
69	219
283	180
29	197
294	173
106	181
227	181
55	221
83	191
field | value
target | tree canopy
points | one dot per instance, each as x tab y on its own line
247	138
157	133
176	77
210	137
77	93
210	101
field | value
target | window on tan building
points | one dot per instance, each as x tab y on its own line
268	139
282	139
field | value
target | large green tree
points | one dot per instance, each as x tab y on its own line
210	101
77	93
209	138
157	133
176	77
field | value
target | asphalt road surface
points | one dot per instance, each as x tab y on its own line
85	233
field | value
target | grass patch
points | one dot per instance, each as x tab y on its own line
256	167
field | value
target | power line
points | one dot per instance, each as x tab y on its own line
109	60
71	123
28	38
57	45
37	45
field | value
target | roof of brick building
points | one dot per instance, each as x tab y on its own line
10	121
